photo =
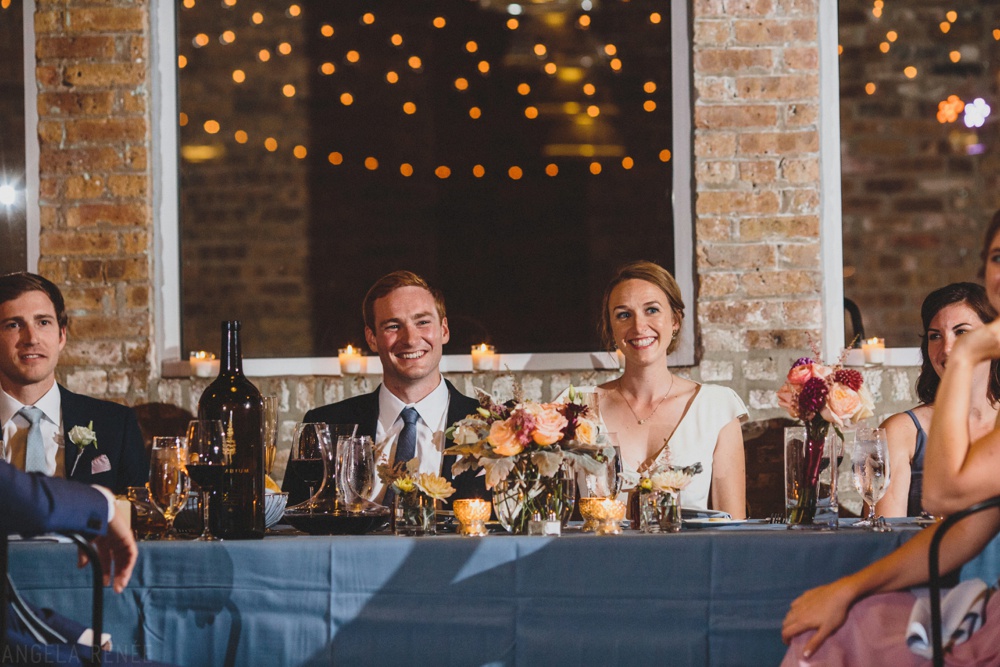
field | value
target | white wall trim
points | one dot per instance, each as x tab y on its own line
831	224
32	179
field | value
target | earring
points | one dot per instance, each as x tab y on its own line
674	335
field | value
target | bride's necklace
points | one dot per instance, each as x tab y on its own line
656	407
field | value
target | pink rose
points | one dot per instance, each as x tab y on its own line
842	404
549	424
788	398
504	439
800	374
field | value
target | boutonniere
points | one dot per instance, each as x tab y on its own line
82	437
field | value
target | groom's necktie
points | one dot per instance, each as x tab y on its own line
406	445
34	456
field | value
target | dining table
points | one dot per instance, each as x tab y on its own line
708	595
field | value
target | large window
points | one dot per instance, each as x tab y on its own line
13	241
512	154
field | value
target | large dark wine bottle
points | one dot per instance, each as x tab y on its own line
233	399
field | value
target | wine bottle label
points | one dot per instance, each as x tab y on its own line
229	446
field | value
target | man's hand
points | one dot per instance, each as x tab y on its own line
117	549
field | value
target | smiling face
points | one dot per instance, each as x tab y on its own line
408	336
30	342
641	321
947	325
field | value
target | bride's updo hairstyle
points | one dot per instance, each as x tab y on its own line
653	274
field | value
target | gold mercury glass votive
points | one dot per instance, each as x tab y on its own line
602	515
472	514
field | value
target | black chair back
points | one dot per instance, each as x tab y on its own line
934	567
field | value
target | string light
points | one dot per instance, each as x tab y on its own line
188	4
627	162
406	169
288	90
471	46
955	56
368	18
649	105
531	113
483	67
211	126
442	172
284	48
299	151
181	62
616	64
257	18
335	158
396	40
327	68
478	171
595	168
910	72
391	77
200	40
891	36
951	16
550	68
523	88
239	76
551	169
649	87
610	49
461	83
409	108
240	136
326	30
371	164
438	22
884	47
293	10
228	37
655	18
512	24
352	56
346	99
584	21
414	62
263	55
228	3
540	50
475	113
945	26
271	144
665	155
515	173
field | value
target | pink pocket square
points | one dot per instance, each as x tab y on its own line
100	464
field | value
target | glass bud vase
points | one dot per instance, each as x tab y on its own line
812	456
414	514
526	494
660	511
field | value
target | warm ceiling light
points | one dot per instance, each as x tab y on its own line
240	136
346	99
239	76
326	30
371	164
335	158
328	68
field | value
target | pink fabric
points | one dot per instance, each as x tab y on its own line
875	634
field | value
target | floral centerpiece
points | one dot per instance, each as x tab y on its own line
821	396
416	496
528	451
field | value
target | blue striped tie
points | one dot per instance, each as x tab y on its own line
34	457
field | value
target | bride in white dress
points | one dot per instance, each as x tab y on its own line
649	408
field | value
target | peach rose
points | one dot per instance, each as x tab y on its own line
842	404
504	439
798	375
549	424
788	399
585	431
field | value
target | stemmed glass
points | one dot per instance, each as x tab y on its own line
206	463
168	478
870	465
355	472
270	432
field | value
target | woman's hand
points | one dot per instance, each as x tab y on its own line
822	609
980	344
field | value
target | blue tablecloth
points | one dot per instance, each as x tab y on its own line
701	597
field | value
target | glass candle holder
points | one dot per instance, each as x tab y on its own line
472	514
203	364
351	361
483	356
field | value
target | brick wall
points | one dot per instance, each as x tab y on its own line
757	206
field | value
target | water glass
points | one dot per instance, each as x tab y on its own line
168	478
870	466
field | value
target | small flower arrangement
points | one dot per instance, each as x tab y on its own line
821	396
405	479
523	447
669	478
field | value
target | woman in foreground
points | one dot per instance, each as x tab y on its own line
958	472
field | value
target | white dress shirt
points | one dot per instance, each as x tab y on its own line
15	431
433	411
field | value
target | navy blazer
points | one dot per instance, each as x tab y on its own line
363	411
33	503
118	438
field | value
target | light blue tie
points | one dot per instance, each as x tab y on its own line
34	457
406	445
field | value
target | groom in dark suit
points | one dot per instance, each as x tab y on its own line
46	427
406	325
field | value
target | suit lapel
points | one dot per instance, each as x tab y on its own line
458	408
70	409
368	415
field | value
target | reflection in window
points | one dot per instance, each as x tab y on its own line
919	105
512	154
12	220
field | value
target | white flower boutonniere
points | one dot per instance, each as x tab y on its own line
82	437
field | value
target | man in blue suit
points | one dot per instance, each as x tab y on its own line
33	504
46	427
406	325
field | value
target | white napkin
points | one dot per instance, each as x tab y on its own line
963	610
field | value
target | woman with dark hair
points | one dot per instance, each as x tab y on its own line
947	313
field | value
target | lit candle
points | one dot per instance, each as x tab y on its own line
482	357
874	349
350	360
472	514
203	364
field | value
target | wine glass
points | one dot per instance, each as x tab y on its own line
870	465
355	471
270	432
168	478
206	439
305	462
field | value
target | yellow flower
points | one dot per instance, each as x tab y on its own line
434	486
404	484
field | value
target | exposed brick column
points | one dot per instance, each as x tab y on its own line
96	214
756	78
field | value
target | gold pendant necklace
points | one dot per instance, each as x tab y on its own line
645	419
